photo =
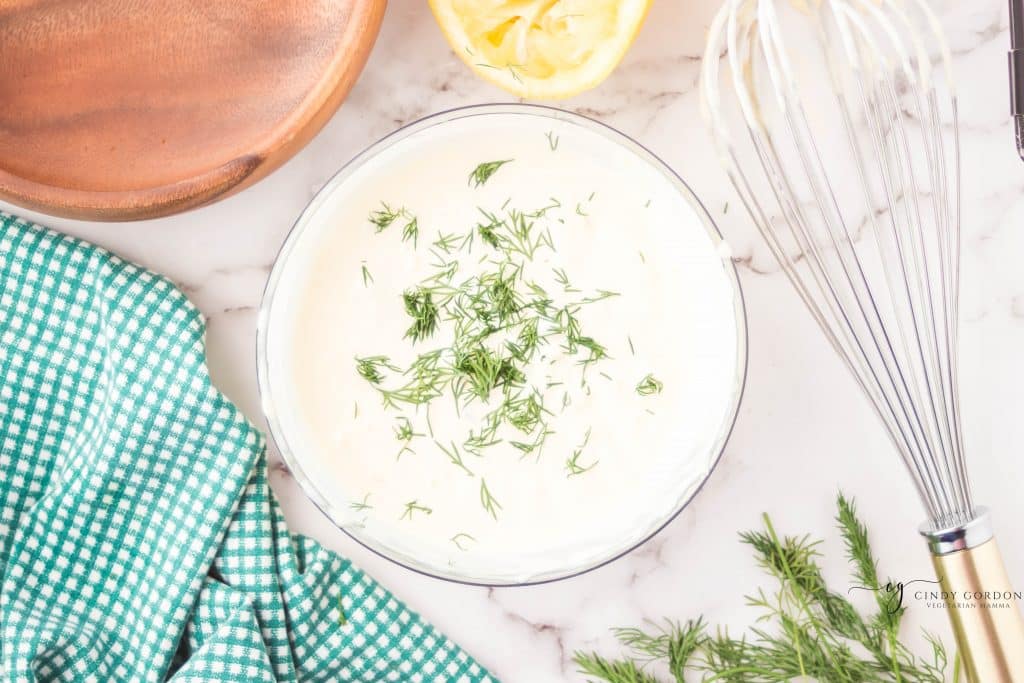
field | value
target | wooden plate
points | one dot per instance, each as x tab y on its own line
126	109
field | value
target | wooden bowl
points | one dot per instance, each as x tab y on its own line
127	109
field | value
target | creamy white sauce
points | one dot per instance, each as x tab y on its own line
635	233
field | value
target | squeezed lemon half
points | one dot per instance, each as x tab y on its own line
541	49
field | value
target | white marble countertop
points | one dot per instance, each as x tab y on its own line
803	431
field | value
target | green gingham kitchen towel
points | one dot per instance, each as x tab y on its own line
138	537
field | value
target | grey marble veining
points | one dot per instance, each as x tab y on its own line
800	437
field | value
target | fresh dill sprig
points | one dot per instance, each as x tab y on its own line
632	349
552	140
414	506
460	538
806	631
490	503
367	277
649	385
483	172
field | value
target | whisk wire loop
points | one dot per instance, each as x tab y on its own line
857	198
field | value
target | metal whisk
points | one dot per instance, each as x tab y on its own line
840	135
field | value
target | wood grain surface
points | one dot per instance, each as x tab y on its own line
127	109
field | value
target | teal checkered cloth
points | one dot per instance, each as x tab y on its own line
138	537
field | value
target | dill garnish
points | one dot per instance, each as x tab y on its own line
483	172
493	330
369	368
460	538
572	464
631	349
405	434
364	505
419	305
490	503
649	385
411	231
455	457
342	619
552	140
367	277
414	506
383	217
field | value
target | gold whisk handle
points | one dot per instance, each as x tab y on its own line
982	604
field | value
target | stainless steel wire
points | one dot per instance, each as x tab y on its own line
837	123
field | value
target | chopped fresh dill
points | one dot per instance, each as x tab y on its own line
725	209
367	277
580	211
405	434
563	279
490	503
455	457
572	464
446	242
535	446
419	306
483	172
552	140
411	231
601	295
649	385
342	619
369	368
632	350
460	538
495	326
364	505
355	410
414	506
383	217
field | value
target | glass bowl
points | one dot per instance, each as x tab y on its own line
268	334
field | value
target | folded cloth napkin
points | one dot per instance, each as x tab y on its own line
139	539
